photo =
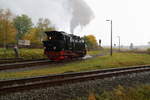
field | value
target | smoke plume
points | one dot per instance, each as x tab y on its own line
81	14
65	15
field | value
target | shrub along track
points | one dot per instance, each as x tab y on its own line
18	85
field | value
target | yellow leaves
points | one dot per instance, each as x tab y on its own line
33	35
20	27
91	97
7	31
91	41
119	91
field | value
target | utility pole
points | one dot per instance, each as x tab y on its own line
111	52
4	35
119	42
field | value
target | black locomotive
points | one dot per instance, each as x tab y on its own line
60	45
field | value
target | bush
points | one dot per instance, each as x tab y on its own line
24	53
148	50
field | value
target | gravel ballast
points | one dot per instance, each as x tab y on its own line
72	91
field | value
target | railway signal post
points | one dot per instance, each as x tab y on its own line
110	38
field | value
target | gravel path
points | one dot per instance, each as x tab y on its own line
71	91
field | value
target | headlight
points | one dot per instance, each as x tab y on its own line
54	48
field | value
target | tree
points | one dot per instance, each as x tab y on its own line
44	25
7	30
90	41
36	34
131	46
23	24
33	36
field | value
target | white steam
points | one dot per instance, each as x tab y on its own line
81	14
66	15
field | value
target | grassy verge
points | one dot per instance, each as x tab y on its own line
96	52
32	53
121	93
117	60
36	53
24	53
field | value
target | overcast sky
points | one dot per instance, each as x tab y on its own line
131	18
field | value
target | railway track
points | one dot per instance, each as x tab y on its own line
24	63
18	85
35	62
32	63
15	60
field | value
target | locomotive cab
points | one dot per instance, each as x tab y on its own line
54	42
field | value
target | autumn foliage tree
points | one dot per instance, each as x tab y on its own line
33	36
91	42
44	25
13	28
7	30
36	34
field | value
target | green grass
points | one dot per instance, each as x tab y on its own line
32	53
137	93
121	93
35	53
9	53
117	60
100	51
24	53
95	52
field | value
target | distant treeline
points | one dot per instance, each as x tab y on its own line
21	27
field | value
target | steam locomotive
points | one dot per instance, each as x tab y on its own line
60	46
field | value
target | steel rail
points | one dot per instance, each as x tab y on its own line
23	64
60	79
34	62
7	61
58	76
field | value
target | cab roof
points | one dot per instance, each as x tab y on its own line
55	32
